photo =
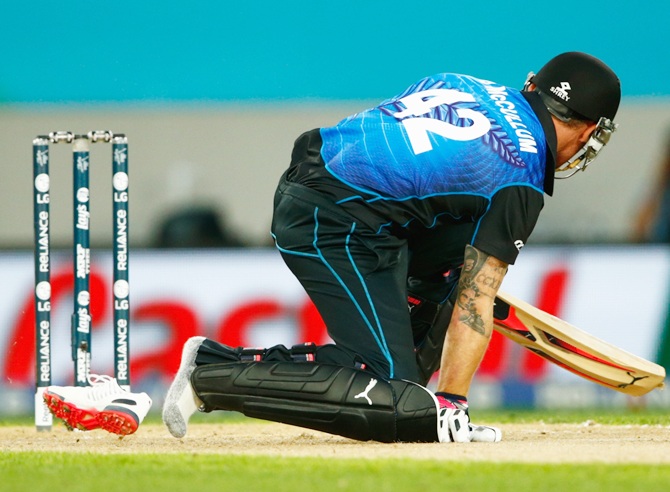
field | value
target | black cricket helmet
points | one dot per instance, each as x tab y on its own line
576	85
582	83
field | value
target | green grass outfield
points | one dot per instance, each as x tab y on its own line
37	471
93	472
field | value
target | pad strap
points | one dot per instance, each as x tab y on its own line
251	354
305	352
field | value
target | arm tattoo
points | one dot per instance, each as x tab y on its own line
479	277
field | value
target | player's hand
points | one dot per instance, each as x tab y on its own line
453	426
453	420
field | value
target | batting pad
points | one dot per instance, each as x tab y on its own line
338	400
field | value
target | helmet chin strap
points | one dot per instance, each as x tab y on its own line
584	156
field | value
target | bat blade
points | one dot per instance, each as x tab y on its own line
573	349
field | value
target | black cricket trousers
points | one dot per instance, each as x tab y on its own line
356	277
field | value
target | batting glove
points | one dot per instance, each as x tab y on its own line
452	419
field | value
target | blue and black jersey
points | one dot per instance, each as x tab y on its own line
450	149
382	205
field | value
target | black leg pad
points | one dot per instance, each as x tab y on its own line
328	398
429	349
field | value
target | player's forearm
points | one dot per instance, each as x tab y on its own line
471	322
462	353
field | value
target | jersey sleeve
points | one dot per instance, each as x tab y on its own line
506	226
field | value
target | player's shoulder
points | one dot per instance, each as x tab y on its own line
457	79
463	83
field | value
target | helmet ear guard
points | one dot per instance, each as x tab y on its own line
598	139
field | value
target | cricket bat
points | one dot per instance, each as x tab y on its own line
573	349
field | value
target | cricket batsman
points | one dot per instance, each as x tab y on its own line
400	222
